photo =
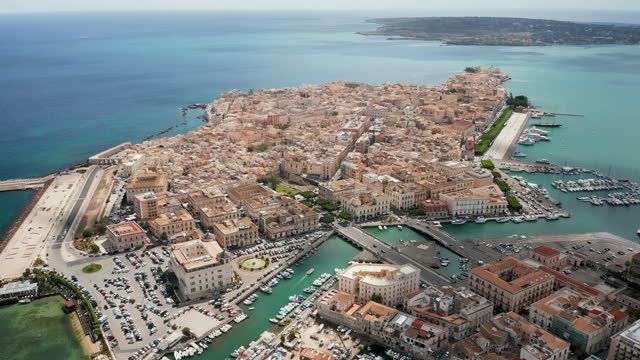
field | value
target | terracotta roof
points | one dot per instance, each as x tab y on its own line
546	251
562	277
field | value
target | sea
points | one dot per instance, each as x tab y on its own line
73	84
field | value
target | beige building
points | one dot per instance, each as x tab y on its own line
442	185
488	200
206	198
392	282
511	284
337	190
234	233
172	223
144	183
209	216
453	169
261	204
125	236
146	206
366	205
243	192
294	220
626	344
202	268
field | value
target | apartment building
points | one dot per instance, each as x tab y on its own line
293	220
207	198
146	206
625	345
576	318
214	214
460	311
548	257
125	235
434	209
172	223
488	200
366	205
391	282
335	191
511	284
405	196
202	268
235	233
144	183
452	169
261	204
437	185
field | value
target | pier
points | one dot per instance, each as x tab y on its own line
25	184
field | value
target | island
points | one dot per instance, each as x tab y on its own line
504	31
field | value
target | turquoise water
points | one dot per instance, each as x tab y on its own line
394	235
74	84
332	254
42	329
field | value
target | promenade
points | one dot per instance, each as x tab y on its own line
504	144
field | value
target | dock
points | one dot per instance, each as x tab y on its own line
25	184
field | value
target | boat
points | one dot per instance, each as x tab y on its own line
399	227
266	290
552	217
517	220
526	141
238	352
379	227
310	289
543	161
502	220
310	271
530	218
519	154
546	124
436	224
458	222
638	232
248	302
296	298
275	321
480	220
384	227
24	301
252	308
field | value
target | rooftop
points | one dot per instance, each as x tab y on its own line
125	228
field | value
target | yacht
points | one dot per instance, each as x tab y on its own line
266	290
519	154
310	271
552	217
436	224
399	227
458	222
543	161
384	227
275	321
502	220
530	218
526	141
24	301
480	220
379	227
517	220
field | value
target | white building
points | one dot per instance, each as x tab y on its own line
626	344
366	205
487	200
201	268
392	282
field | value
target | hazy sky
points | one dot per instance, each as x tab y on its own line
97	5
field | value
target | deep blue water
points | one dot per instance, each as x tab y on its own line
73	84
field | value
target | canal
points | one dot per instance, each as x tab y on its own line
333	253
393	235
39	330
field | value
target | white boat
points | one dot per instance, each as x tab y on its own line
480	220
310	271
530	218
24	301
275	321
252	308
379	227
384	227
458	222
517	220
399	227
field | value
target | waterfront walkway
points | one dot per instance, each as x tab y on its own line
504	144
387	253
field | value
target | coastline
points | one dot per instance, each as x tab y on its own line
88	347
11	229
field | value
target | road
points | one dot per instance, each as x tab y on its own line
504	143
390	255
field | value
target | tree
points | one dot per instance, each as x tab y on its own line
186	332
376	298
88	232
100	228
327	219
308	194
487	164
26	273
346	215
416	212
250	149
94	248
164	236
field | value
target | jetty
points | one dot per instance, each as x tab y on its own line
25	184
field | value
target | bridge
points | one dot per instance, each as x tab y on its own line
389	254
24	184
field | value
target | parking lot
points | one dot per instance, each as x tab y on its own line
136	309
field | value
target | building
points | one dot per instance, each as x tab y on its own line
548	257
125	235
214	214
293	220
453	169
261	204
434	209
626	344
18	290
511	284
366	205
202	268
172	223
460	311
144	183
243	192
206	198
635	265
391	282
488	200
513	337
146	206
234	233
335	191
575	317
